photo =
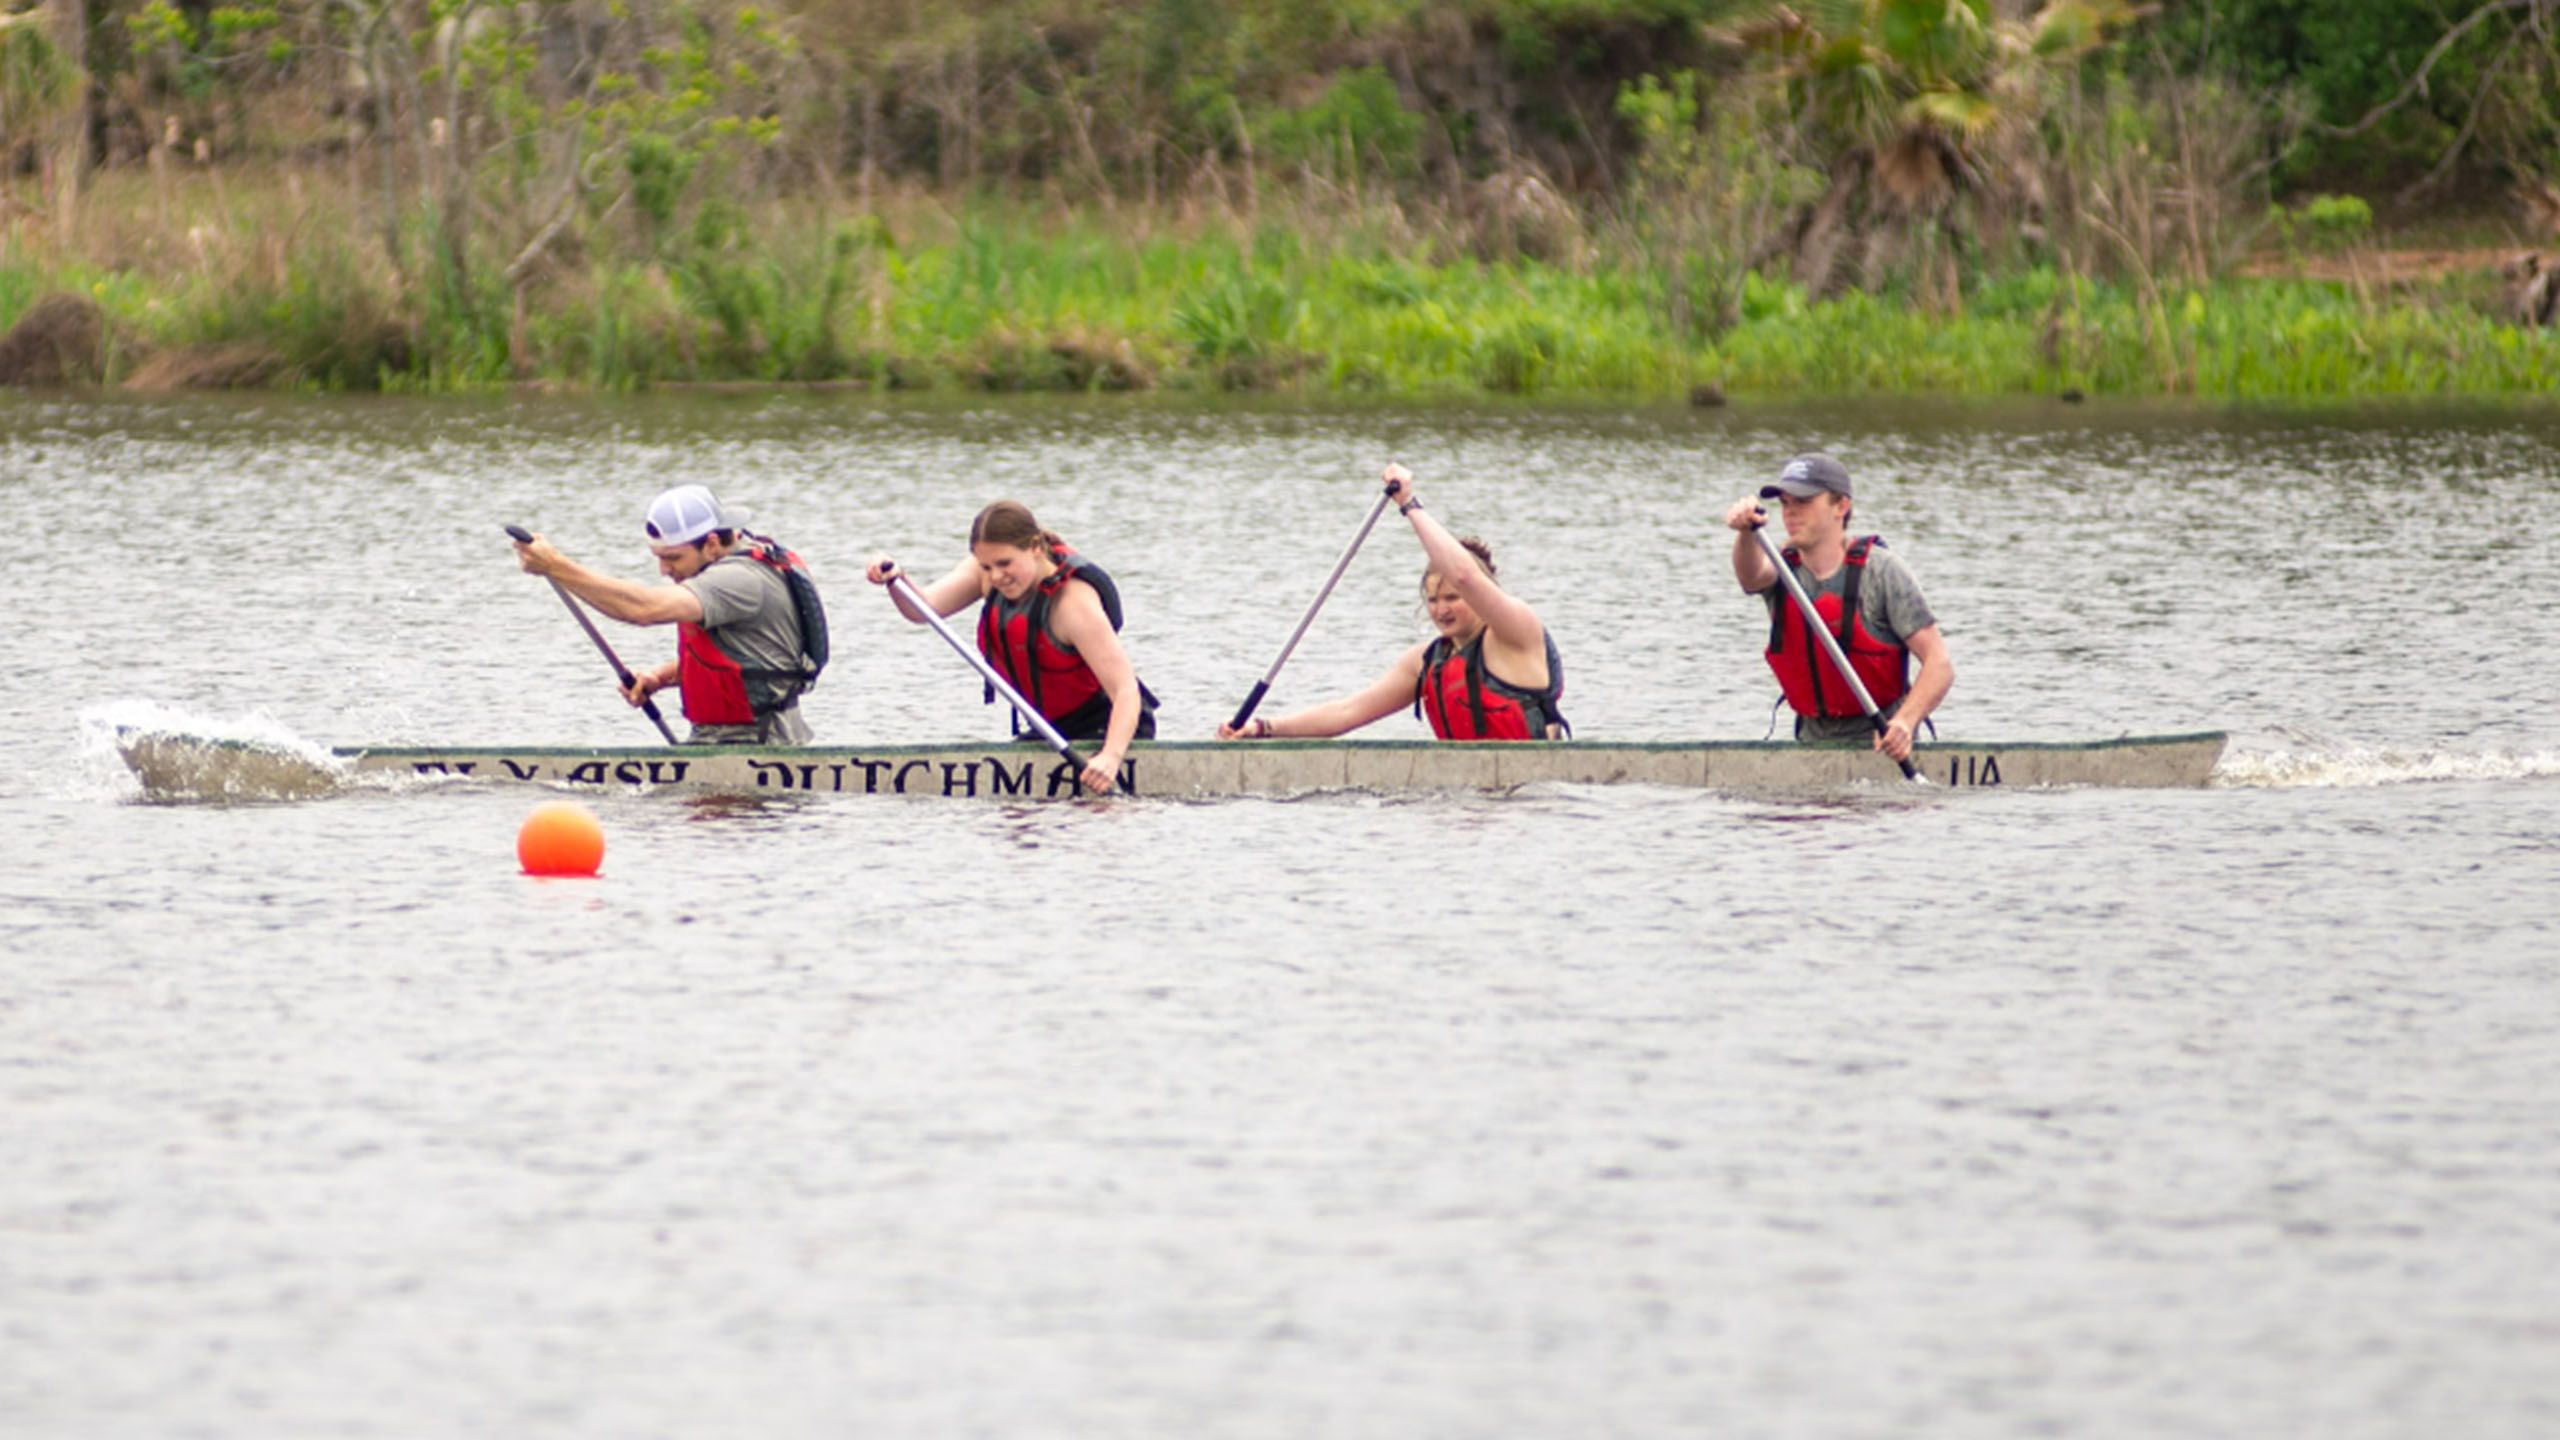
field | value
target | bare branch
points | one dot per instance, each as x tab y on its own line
2418	81
2470	125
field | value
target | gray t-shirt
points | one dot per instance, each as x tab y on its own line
1890	604
746	605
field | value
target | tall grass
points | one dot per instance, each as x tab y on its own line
1009	295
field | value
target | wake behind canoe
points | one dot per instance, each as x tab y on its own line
180	766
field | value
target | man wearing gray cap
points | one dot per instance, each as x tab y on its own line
743	652
1867	600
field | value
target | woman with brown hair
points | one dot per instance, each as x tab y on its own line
1049	622
1492	673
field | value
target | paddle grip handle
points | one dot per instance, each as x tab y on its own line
1910	770
621	672
1244	712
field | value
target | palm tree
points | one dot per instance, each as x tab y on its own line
1923	113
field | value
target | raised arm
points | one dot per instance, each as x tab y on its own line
1515	627
965	586
1750	562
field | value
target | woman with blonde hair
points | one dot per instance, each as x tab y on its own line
1491	673
1049	622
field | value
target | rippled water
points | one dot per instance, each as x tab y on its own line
1572	1112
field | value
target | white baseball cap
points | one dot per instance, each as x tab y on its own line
684	515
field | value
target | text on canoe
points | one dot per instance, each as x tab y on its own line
991	776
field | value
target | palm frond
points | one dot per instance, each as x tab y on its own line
1959	112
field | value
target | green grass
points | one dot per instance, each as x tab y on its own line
1009	298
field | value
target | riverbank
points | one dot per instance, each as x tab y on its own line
206	282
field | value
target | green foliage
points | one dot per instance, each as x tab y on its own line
1764	299
192	54
1708	186
1015	301
2348	57
649	214
21	285
36	78
1233	323
1664	119
160	23
2324	224
659	170
2334	222
1518	355
233	26
1938	42
1358	125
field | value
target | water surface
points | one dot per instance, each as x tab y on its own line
1575	1111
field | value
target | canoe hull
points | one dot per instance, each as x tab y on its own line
180	766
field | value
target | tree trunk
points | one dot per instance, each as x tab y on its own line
68	25
375	51
520	333
872	124
1823	227
448	158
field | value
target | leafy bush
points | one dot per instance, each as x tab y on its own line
2324	224
1358	125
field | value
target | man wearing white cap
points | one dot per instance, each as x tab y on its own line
1867	600
742	655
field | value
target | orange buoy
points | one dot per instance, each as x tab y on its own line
560	838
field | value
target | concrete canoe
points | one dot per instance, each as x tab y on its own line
193	767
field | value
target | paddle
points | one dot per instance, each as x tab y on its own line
1262	686
621	672
1830	642
898	582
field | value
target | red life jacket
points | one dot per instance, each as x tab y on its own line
1812	683
1015	638
1465	701
716	689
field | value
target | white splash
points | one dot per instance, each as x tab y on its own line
101	723
2339	766
255	743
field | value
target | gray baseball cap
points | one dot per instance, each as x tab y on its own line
1809	475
